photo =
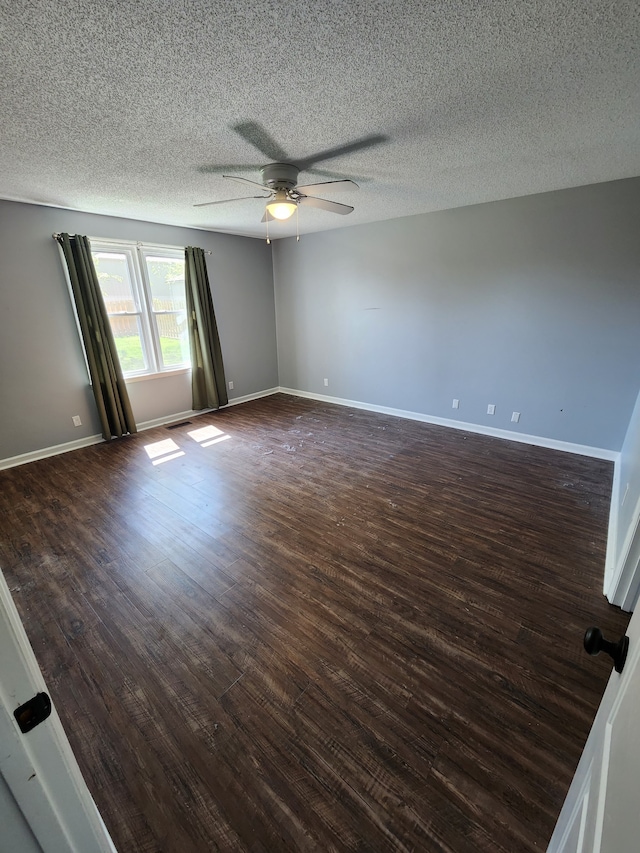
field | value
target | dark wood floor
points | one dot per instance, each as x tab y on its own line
318	629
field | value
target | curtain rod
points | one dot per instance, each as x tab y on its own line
56	236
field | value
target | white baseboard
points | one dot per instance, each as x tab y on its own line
171	419
55	450
193	413
616	583
539	441
509	435
248	397
45	452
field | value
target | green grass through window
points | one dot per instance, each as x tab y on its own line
130	352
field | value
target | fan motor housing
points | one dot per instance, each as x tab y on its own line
280	176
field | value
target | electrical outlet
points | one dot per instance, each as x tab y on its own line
326	382
456	404
515	417
230	386
491	409
76	420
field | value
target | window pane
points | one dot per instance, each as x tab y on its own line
166	277
115	281
147	312
174	342
126	331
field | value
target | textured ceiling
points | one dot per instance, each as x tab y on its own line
129	109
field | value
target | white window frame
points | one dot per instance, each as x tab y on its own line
136	255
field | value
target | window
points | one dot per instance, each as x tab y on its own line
143	290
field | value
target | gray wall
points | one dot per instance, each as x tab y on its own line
43	379
532	304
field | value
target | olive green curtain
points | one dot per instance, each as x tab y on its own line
208	385
109	389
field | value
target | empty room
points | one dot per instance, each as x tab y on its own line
320	427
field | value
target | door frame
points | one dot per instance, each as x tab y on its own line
585	808
39	767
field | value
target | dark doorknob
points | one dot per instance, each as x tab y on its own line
594	643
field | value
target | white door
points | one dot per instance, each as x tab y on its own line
45	805
602	811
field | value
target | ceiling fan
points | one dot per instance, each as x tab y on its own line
279	185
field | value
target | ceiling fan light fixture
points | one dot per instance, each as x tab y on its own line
281	207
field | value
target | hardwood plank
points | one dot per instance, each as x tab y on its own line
331	631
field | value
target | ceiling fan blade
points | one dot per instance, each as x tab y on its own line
227	200
268	217
331	206
337	176
334	186
256	135
247	181
339	150
215	169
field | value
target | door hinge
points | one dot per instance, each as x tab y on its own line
33	712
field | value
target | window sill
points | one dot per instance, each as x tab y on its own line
165	373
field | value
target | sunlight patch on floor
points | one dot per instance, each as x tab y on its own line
163	451
167	449
206	436
203	433
215	440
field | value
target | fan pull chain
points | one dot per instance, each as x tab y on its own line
297	223
267	221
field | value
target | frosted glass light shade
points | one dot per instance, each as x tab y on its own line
281	207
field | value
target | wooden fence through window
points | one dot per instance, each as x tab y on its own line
169	325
